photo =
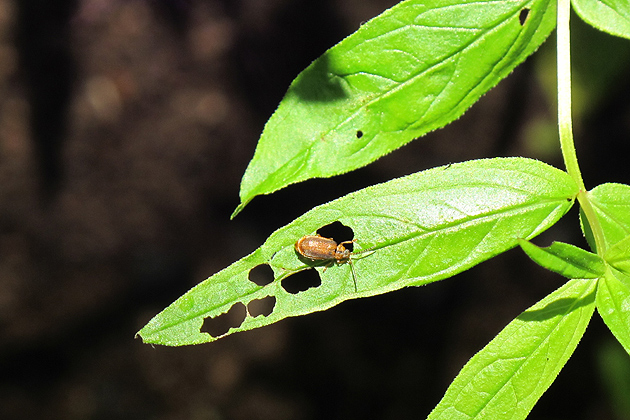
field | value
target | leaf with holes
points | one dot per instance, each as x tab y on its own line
418	229
415	68
612	16
508	376
565	259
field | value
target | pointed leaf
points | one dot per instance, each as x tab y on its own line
507	377
611	203
618	256
613	304
612	16
421	228
411	70
567	260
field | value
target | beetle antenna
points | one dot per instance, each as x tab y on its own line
368	251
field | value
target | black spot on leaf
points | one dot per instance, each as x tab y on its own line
522	17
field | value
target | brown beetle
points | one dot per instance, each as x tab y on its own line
318	248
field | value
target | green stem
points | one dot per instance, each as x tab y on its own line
593	221
565	125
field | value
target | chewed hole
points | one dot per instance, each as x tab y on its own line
262	306
261	275
221	324
299	282
338	232
359	134
522	17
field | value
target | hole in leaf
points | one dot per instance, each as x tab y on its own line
221	324
261	275
359	134
522	17
299	282
262	306
338	232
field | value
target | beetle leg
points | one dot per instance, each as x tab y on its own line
354	275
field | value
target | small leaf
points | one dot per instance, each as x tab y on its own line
613	304
612	16
567	260
419	229
611	203
618	256
411	70
507	377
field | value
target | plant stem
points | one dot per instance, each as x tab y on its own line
565	125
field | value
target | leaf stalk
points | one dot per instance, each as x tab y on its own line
565	124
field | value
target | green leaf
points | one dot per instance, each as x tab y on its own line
421	228
411	70
612	16
618	256
567	260
507	377
613	304
611	203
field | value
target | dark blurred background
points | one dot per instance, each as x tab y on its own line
125	126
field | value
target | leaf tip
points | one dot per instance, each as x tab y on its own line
239	208
138	335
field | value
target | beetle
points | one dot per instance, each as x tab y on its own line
318	248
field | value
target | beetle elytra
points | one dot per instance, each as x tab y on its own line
318	248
